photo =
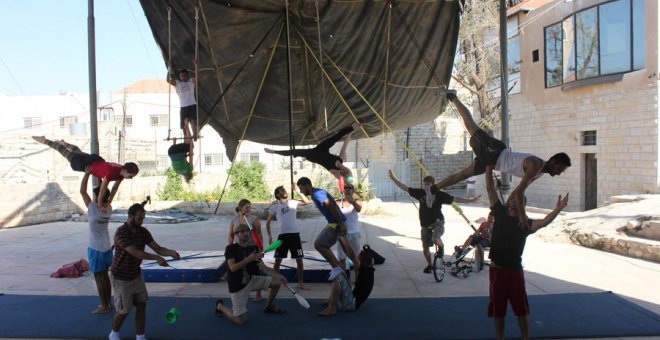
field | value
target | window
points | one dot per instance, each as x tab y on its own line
163	162
588	137
107	113
158	120
605	39
213	159
119	120
249	157
66	121
31	122
147	166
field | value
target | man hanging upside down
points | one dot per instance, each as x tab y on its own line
491	151
321	155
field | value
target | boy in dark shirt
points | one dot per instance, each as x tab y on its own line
243	277
507	281
431	219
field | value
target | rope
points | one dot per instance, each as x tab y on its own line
292	145
318	31
196	132
169	71
387	63
339	95
254	104
223	92
412	155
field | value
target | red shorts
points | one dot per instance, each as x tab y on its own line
507	285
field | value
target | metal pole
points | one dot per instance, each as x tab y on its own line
288	69
91	62
504	71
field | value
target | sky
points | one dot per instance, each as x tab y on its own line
44	46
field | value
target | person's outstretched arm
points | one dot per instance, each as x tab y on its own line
114	190
561	204
396	181
269	220
490	186
458	199
83	187
303	199
532	167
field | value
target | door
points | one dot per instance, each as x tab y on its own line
590	181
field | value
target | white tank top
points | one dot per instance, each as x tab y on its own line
511	162
351	218
186	92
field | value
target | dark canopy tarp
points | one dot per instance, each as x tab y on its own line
380	49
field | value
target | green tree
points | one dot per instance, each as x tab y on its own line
173	189
247	181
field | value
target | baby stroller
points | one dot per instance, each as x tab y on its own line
458	265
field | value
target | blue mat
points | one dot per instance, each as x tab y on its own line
553	316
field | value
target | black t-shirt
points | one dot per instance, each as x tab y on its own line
238	280
433	214
508	239
363	285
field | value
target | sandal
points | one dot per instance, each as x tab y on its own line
218	312
274	310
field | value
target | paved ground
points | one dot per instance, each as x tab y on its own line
30	254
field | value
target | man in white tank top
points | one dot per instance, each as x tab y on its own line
491	151
185	88
285	212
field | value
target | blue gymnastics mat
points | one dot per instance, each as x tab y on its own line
209	266
580	315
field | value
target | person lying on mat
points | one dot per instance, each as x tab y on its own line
244	263
321	155
347	300
507	280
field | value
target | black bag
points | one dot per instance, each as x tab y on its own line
378	259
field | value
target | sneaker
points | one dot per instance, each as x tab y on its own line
334	272
428	270
114	336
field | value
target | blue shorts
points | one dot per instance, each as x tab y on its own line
99	261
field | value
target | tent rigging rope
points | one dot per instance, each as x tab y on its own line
421	166
318	31
254	104
169	71
223	92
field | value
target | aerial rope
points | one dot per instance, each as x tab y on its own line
169	71
437	81
292	145
196	127
254	104
318	31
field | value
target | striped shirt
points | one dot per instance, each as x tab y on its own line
124	265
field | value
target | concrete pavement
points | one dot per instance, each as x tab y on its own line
29	254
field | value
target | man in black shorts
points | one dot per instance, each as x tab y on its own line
491	151
321	155
185	88
284	210
431	219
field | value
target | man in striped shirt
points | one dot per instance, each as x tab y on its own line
127	279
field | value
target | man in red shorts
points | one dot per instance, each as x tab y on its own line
507	280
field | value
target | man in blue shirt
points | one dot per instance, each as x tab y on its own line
334	231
